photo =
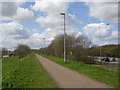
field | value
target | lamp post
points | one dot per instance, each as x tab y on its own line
100	34
64	38
44	45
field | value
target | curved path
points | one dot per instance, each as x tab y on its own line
67	78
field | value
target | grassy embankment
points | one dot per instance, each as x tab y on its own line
103	75
25	73
0	73
108	67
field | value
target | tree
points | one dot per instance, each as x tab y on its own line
116	51
3	51
76	47
22	50
94	51
50	50
58	45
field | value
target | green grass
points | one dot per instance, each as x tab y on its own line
100	74
25	73
0	73
108	67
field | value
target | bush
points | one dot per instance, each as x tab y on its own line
89	60
84	59
77	57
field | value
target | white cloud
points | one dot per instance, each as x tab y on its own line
9	9
115	35
79	34
13	34
53	10
36	39
53	21
13	11
103	10
100	32
98	0
49	21
50	7
15	30
23	14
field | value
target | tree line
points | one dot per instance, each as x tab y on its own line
21	51
75	48
78	48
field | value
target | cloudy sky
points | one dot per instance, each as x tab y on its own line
29	22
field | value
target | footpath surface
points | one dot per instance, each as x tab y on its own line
67	78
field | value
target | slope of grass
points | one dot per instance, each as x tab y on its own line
108	67
100	74
0	73
25	73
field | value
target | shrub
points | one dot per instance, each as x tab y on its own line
89	60
85	59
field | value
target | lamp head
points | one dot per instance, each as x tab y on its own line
62	13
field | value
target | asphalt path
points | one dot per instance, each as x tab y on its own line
67	78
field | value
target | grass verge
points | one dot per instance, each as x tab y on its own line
100	74
108	67
25	73
0	73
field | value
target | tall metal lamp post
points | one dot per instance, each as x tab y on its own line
100	34
64	38
44	45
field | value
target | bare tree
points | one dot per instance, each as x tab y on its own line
3	51
22	50
83	41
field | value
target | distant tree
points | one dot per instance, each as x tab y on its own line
83	41
50	50
116	51
3	51
81	48
94	51
78	53
41	51
22	50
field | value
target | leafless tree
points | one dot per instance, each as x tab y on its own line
3	51
75	46
22	50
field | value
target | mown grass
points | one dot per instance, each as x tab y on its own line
100	74
25	73
108	67
0	73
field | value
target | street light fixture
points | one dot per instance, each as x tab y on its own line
64	38
100	33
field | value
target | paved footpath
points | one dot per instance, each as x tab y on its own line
67	78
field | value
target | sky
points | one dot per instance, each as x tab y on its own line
29	22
